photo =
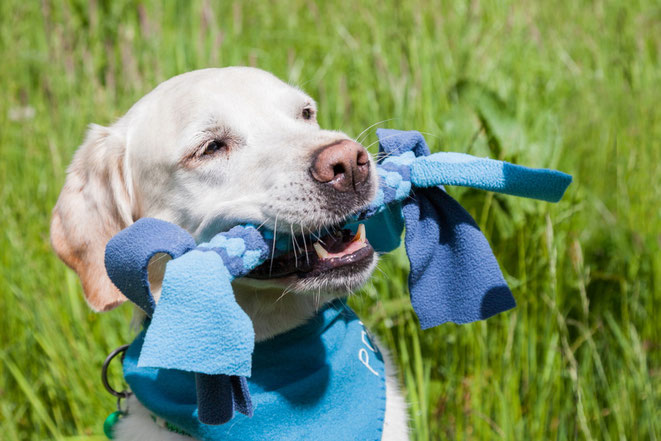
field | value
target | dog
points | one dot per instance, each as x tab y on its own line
208	150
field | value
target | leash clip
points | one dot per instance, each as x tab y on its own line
104	376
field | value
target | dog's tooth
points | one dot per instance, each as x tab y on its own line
360	234
321	251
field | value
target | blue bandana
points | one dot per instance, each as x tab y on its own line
326	373
199	331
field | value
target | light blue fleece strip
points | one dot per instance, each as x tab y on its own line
489	174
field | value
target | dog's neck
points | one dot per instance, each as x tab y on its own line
274	311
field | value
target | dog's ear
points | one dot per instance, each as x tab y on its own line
93	206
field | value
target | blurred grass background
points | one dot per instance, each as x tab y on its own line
569	85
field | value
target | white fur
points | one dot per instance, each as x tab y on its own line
150	164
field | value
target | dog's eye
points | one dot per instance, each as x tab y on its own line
307	113
214	147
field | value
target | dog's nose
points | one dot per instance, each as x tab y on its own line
345	165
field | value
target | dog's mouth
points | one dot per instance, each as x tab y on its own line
334	252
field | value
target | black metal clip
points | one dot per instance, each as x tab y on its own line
104	376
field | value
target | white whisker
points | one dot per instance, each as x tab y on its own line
305	245
275	236
383	139
375	124
263	223
294	245
286	291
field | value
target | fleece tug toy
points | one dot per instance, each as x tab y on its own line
197	329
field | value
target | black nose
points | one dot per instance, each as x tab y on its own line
344	165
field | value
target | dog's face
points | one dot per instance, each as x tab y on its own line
211	149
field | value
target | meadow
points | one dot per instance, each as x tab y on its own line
569	85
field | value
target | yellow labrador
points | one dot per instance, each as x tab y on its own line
207	150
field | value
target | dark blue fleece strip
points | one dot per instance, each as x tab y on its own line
129	251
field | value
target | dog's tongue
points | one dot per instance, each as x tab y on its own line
342	247
350	249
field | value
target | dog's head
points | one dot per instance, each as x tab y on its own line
211	149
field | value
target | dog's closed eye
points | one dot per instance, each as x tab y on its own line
218	144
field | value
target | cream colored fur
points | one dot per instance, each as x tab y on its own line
150	164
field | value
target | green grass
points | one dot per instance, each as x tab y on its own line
569	85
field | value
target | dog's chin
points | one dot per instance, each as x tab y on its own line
340	281
336	282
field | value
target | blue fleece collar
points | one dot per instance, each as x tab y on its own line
324	380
